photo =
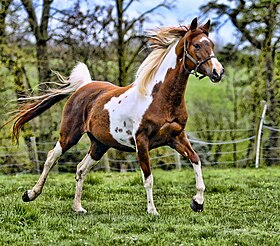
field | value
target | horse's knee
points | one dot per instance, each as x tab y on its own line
84	167
81	172
194	158
55	152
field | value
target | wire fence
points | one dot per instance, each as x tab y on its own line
229	147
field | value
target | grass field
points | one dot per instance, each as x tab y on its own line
241	208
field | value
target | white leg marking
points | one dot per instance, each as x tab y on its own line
200	187
52	157
82	169
148	184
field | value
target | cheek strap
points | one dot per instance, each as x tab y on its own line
196	63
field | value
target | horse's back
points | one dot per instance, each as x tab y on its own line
84	110
92	93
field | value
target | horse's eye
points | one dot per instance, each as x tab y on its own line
196	46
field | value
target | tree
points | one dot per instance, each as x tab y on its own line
40	32
258	23
13	58
3	13
127	32
10	56
85	35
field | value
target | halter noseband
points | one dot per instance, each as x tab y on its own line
197	63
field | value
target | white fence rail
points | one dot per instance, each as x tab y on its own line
241	151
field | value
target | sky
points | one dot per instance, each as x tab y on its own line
183	13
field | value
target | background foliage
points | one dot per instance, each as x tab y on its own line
37	36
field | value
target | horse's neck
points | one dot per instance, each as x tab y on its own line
175	83
171	77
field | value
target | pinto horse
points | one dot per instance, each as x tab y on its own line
144	115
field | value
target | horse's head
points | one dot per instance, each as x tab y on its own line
196	50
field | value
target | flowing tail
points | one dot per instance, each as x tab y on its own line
79	77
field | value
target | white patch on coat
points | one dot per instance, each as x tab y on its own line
204	39
52	157
126	111
216	64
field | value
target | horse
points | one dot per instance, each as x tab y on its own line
144	115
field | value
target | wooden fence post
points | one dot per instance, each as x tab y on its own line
36	160
106	162
178	160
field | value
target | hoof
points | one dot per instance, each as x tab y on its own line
79	210
152	210
154	213
25	197
196	207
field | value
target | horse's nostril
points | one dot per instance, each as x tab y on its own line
215	75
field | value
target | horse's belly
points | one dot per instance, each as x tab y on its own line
122	131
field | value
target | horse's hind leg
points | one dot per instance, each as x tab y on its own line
66	141
52	157
95	153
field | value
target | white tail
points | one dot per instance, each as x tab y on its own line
79	76
39	104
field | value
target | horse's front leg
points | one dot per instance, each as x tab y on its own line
182	145
148	180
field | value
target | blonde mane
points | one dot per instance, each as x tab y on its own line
161	40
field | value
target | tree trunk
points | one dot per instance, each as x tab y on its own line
43	64
271	86
40	32
121	55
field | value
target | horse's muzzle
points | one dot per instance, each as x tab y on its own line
215	76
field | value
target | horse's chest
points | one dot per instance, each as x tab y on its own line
125	116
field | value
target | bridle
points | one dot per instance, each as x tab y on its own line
197	63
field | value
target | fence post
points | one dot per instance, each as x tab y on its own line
106	162
34	147
178	160
260	136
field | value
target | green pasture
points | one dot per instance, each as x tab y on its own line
241	208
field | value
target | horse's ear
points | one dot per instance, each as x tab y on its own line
206	26
194	24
